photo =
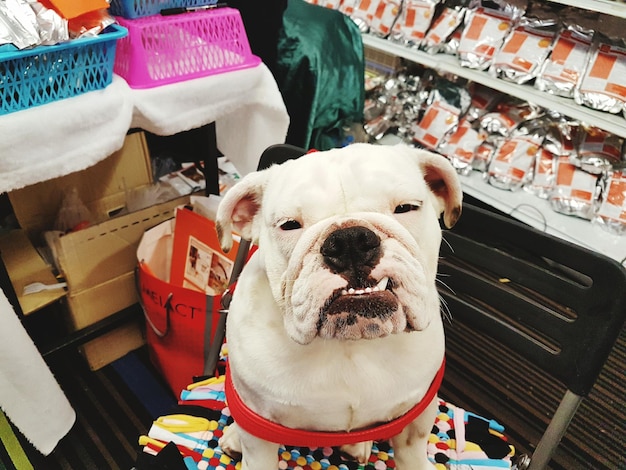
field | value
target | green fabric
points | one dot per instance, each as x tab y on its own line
320	74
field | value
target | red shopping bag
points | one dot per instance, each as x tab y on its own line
182	324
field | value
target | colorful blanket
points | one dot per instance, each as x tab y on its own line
459	439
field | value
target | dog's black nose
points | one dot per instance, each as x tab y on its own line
351	248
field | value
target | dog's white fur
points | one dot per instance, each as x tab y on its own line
291	360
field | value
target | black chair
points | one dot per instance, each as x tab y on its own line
557	305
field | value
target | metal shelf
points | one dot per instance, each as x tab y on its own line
615	124
522	205
538	213
608	7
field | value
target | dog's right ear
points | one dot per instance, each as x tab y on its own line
238	208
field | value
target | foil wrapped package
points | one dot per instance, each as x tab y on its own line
347	7
508	115
392	105
385	17
575	192
598	151
563	69
378	127
512	164
18	24
363	12
483	155
524	50
446	104
484	99
611	214
444	25
53	29
603	84
483	34
562	135
543	177
460	147
413	22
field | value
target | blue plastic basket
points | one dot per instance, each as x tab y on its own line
44	74
132	9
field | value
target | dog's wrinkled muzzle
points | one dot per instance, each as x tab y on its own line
366	307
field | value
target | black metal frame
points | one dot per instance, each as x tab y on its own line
557	304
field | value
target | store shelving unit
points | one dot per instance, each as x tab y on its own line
520	204
608	7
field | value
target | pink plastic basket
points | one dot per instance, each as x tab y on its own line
166	49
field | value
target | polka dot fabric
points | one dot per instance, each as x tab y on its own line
452	445
442	448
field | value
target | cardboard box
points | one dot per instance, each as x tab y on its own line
101	187
95	256
113	345
25	266
97	262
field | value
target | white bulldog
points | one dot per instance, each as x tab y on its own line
335	323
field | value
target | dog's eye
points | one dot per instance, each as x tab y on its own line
290	225
402	208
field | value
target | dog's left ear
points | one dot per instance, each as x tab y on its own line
238	208
443	181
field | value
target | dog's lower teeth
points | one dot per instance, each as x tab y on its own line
381	286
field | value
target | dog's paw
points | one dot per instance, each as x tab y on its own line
360	452
230	442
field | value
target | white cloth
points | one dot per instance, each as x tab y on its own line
62	137
29	394
246	105
69	135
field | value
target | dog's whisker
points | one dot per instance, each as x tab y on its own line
443	240
445	310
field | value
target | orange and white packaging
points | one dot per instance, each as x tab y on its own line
611	214
482	156
483	34
544	174
512	164
347	7
445	105
439	119
575	192
364	11
598	150
603	85
384	17
460	147
413	22
524	50
484	99
442	28
563	69
507	115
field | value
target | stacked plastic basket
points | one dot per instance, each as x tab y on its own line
44	74
203	39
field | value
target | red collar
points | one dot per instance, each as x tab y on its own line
273	432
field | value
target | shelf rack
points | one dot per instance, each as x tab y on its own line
520	204
607	7
615	124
